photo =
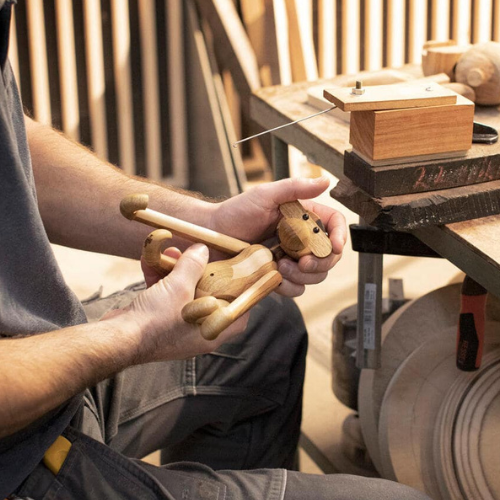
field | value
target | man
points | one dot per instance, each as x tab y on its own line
78	400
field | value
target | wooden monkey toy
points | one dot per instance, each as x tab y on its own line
229	288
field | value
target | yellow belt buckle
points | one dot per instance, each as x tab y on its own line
56	455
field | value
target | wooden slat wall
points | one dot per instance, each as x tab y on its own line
355	35
110	92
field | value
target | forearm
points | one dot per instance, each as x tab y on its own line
79	197
31	383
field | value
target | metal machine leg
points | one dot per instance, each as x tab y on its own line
369	324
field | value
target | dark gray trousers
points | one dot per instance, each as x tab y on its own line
227	423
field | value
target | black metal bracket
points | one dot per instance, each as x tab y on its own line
369	239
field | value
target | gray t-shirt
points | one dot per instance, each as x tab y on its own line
33	295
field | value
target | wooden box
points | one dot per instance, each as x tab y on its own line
384	136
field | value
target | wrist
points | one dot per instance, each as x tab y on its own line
129	332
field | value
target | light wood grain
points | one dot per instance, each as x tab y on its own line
302	51
479	67
381	97
258	18
400	133
223	317
228	279
442	59
300	233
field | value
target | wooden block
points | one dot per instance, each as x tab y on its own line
419	177
412	211
399	133
441	57
403	95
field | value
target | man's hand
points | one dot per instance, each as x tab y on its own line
253	217
157	311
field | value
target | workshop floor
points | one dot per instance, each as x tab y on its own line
323	413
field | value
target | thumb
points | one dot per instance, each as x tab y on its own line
190	266
298	188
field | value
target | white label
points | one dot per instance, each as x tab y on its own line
370	303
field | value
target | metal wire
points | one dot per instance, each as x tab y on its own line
235	144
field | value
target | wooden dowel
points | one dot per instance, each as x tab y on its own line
192	232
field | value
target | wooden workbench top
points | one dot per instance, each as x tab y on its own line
473	246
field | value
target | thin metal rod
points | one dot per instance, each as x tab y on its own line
235	144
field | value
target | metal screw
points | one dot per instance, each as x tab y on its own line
316	230
305	216
358	89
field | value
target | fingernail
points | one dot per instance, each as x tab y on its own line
200	249
284	267
311	266
319	180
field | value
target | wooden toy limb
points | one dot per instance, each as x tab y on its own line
152	251
134	207
223	317
197	310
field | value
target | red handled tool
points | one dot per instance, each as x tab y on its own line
470	335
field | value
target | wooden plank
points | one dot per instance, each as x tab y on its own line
283	41
67	69
396	34
13	49
417	29
327	34
206	132
461	21
409	132
38	62
404	95
350	36
440	19
496	21
373	34
258	17
123	84
232	46
412	211
95	76
302	52
420	177
151	90
482	21
473	246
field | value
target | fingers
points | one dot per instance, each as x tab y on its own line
308	271
334	222
291	189
190	266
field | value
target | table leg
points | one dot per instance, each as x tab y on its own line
369	324
281	165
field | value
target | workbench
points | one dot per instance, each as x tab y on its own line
473	246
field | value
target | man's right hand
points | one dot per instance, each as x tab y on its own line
162	332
